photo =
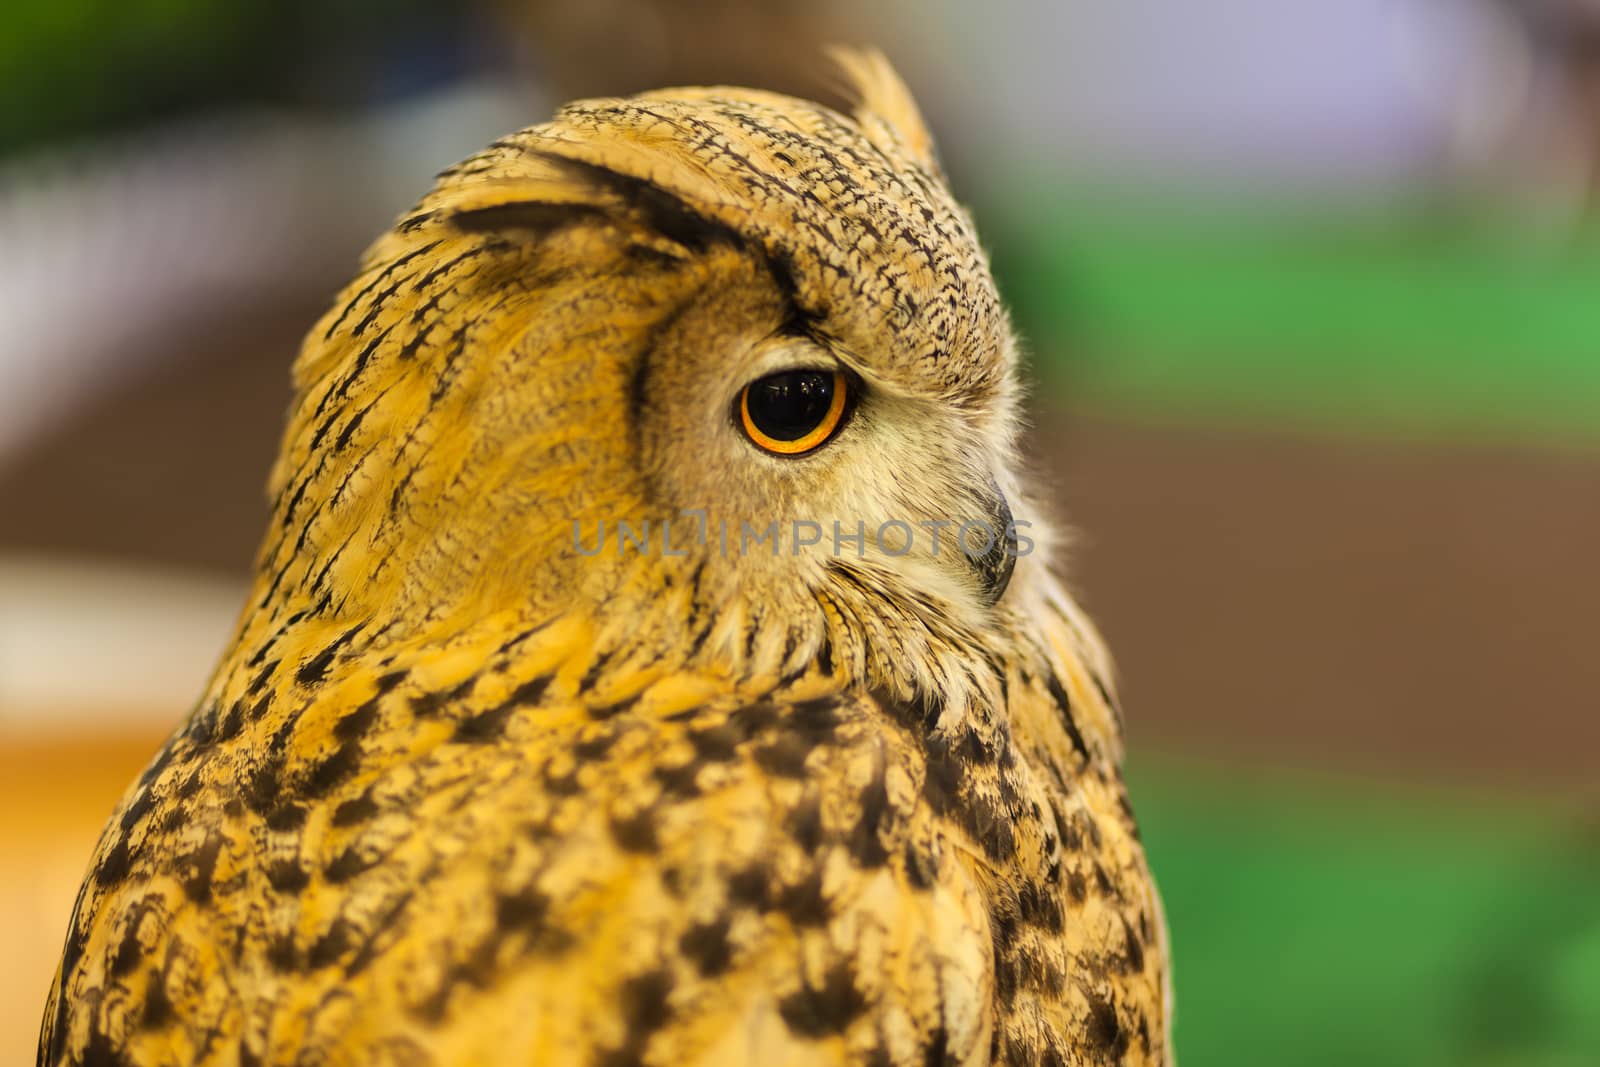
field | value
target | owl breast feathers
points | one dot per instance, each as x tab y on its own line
653	656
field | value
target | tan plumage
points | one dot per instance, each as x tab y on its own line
462	792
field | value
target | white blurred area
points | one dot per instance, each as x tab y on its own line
1307	99
111	246
78	637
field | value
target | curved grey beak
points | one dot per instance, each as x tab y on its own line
993	562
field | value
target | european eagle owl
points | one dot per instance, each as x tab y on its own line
653	656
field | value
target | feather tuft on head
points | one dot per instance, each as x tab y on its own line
884	104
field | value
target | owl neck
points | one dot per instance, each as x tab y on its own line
1033	673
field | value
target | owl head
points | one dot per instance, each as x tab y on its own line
716	367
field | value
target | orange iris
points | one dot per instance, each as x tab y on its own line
793	412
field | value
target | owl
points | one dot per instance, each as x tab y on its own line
653	656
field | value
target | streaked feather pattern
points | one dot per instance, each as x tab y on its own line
460	794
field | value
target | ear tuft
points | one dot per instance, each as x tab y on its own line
883	103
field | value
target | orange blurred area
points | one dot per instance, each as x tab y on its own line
57	793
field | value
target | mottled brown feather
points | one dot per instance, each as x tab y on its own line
460	793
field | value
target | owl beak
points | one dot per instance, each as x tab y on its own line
994	564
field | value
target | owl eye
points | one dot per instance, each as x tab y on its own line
793	411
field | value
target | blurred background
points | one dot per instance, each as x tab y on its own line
1312	294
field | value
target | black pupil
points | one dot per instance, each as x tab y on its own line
789	405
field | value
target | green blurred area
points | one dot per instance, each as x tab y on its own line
1422	324
1326	922
72	69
